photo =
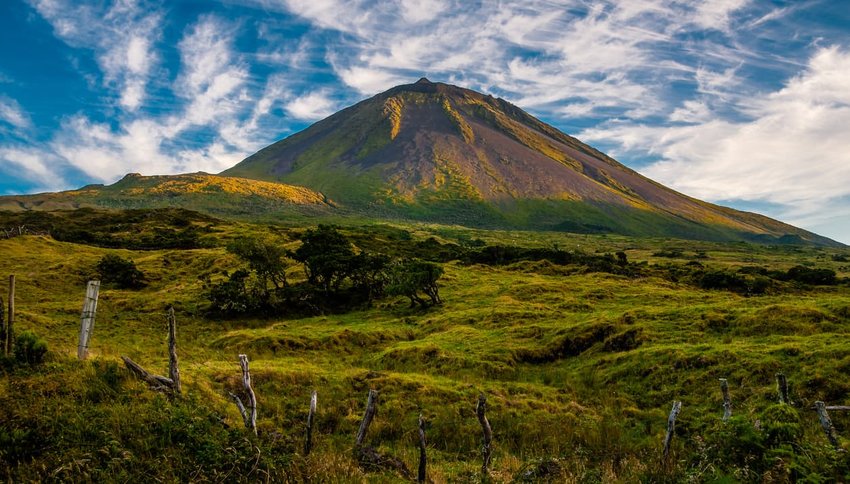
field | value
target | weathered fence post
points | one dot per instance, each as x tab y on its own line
486	448
173	371
87	318
9	332
156	382
249	414
828	428
671	426
308	441
782	388
727	401
421	476
368	415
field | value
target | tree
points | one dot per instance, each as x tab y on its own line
265	257
121	272
232	296
327	257
368	274
409	278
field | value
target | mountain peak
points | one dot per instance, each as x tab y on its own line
438	152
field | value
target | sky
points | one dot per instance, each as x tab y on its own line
745	103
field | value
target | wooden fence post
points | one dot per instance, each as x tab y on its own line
308	441
671	426
421	476
782	388
173	371
9	333
249	414
727	401
486	448
156	382
87	318
368	415
828	428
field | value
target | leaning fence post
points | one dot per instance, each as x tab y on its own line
421	477
308	441
10	320
87	318
727	401
368	415
249	414
782	388
828	428
173	371
671	426
486	448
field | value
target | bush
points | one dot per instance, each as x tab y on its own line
807	275
121	272
29	348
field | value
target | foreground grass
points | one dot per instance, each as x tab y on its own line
579	367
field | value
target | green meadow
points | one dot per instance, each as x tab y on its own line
580	366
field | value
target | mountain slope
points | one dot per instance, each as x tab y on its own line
197	191
437	152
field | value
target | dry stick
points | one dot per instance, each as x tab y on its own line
10	320
782	388
727	401
87	318
371	409
671	426
486	449
837	407
828	428
156	382
249	414
173	371
422	457
308	442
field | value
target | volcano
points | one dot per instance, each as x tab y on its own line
441	153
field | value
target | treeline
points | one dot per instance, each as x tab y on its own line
142	229
337	277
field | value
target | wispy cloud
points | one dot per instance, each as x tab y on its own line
122	35
792	151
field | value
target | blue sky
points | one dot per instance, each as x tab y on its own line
740	102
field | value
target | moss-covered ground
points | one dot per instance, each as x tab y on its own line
579	368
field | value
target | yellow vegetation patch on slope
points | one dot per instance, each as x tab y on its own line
204	183
392	111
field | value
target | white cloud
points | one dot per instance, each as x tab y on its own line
311	107
122	35
793	152
11	112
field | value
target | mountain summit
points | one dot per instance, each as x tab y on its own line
438	152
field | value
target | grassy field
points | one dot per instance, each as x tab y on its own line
580	368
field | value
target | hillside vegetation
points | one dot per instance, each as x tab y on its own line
580	343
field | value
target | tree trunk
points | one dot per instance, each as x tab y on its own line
249	414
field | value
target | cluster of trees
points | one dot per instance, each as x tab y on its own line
337	277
